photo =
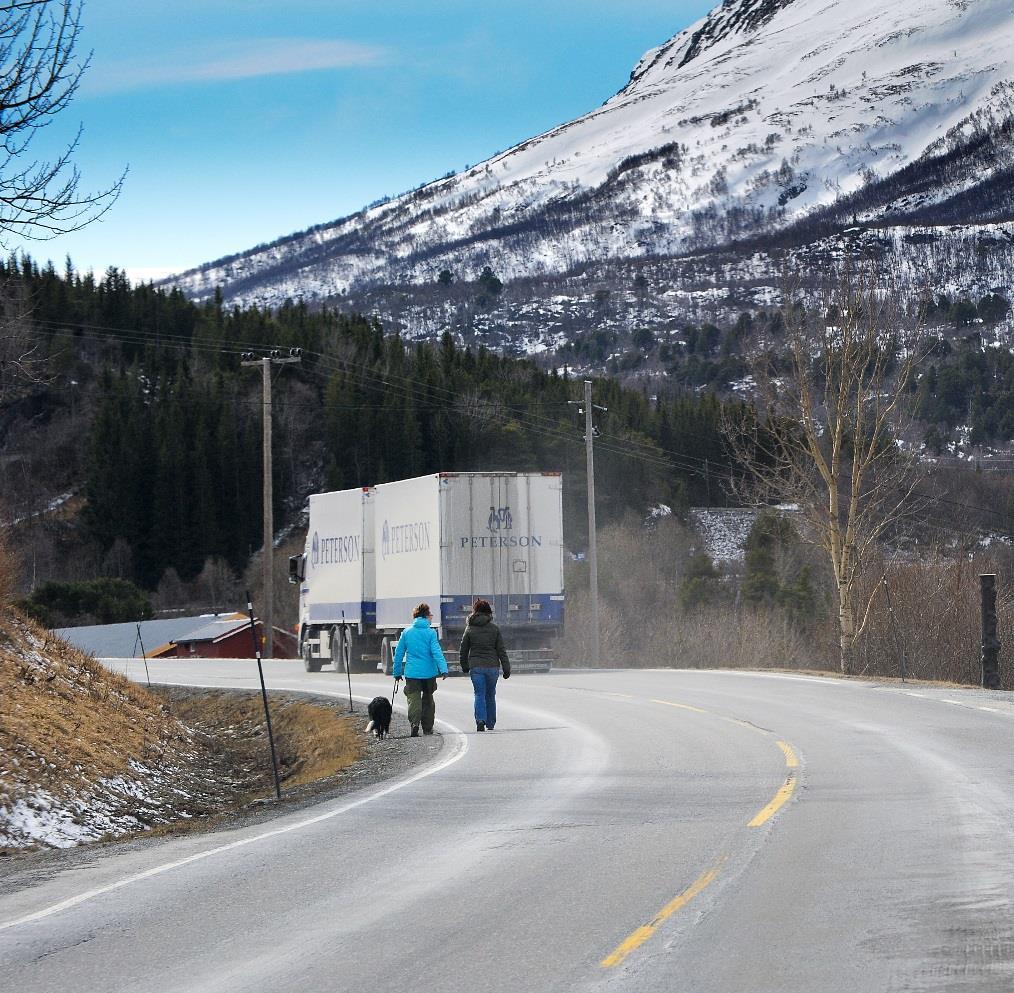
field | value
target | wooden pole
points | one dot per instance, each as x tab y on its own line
269	524
593	555
265	364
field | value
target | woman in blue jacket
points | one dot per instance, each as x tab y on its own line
420	658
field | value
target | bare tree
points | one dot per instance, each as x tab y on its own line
39	75
831	411
23	358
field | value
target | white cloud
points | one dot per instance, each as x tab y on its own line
234	60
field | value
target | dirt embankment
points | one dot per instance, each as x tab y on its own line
83	753
87	755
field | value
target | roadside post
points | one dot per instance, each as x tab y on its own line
990	641
264	695
346	657
137	642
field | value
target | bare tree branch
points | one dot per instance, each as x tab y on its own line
23	359
39	76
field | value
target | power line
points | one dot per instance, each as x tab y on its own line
652	456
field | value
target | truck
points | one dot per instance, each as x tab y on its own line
443	539
336	579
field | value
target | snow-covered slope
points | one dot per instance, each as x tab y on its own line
764	113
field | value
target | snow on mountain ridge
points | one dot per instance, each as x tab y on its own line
761	113
731	17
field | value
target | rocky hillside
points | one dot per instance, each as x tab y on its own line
787	117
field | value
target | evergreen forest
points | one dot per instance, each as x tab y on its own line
140	407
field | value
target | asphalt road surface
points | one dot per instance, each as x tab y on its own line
696	832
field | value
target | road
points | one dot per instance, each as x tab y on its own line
696	832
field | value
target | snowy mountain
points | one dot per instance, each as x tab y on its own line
787	116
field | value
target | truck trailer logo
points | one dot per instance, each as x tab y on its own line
334	551
502	541
398	539
500	519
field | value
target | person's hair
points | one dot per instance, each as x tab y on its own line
482	607
423	610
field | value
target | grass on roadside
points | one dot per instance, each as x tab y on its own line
66	719
313	741
86	754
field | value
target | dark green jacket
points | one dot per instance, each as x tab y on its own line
482	645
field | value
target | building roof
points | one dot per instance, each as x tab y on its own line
216	630
119	641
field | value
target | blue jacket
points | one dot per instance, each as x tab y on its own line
425	659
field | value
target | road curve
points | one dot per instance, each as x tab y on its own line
706	832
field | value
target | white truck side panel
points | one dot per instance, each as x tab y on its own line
407	548
446	539
369	547
502	539
335	551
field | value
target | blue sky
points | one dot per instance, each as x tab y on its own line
243	120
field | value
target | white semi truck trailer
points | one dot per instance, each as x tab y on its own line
444	539
336	578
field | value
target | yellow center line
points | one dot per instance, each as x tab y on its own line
782	797
646	931
684	706
790	756
791	761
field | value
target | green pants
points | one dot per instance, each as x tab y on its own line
421	708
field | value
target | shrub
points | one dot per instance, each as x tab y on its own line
95	601
927	616
702	583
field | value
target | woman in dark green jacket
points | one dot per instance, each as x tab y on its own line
482	657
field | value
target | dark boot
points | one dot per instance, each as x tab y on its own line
480	726
415	730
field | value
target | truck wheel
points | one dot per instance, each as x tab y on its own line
348	641
385	656
310	664
341	649
335	655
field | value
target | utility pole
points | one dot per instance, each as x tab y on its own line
593	556
268	597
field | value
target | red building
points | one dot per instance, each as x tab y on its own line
214	636
222	638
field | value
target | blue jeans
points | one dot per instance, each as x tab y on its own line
484	683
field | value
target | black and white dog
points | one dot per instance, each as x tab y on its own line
380	716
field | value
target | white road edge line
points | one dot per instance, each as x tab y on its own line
461	747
